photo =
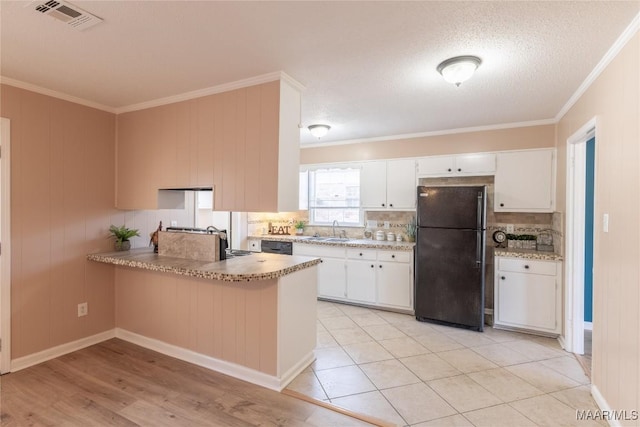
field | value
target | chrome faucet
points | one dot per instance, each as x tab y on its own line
333	226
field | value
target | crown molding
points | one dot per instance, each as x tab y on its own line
434	133
613	51
55	94
252	81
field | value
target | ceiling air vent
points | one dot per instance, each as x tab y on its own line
71	15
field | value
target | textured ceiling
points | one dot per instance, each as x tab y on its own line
369	67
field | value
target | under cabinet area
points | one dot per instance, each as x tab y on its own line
525	181
528	295
388	184
374	277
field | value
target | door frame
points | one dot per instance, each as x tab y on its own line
5	238
575	227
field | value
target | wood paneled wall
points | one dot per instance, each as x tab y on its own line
62	199
235	322
614	98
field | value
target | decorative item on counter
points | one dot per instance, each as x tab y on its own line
399	237
282	230
391	236
500	238
122	235
154	238
299	226
521	241
411	228
380	235
368	234
545	242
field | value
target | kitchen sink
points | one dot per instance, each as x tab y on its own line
326	239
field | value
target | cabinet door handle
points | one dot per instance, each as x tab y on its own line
501	205
383	205
321	260
360	253
526	267
502	277
380	266
393	256
390	205
459	170
449	170
371	265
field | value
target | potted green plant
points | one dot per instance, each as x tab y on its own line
411	228
122	235
299	226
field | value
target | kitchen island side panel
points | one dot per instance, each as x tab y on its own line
231	321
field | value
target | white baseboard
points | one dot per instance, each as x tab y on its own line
231	369
603	405
52	353
588	326
562	342
296	369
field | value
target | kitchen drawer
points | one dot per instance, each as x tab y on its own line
364	254
518	265
395	256
318	250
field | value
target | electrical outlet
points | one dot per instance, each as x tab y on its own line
510	228
83	309
174	223
386	224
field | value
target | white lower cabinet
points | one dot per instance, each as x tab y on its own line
361	275
332	280
528	295
374	277
332	274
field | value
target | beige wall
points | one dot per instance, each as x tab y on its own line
614	100
62	197
470	142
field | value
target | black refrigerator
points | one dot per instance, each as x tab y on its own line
450	256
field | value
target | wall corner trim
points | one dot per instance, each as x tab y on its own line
61	350
603	405
613	51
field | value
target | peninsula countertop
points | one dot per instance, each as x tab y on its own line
257	266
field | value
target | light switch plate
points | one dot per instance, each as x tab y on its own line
605	223
174	223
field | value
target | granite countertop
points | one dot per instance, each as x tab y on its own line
350	243
527	254
258	266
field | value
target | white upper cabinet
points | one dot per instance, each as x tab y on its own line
459	165
401	184
525	181
388	184
373	185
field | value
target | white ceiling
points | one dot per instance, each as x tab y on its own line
369	67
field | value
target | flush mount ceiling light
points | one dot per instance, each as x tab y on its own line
459	69
319	130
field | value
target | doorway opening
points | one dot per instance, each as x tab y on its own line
5	246
581	161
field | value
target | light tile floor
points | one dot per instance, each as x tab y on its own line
392	367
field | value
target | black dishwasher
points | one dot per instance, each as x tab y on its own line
277	247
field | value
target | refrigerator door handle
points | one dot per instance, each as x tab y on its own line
479	210
479	249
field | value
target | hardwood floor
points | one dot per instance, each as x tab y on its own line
116	383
